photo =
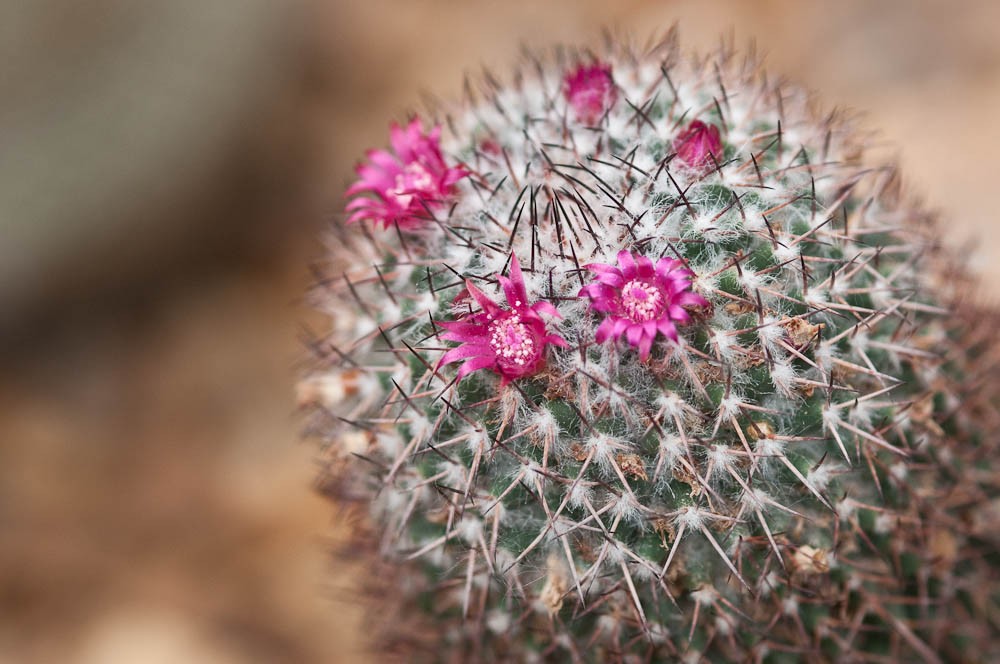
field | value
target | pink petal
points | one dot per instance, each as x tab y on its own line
644	347
690	297
678	314
668	329
385	161
462	331
556	340
475	364
634	334
546	308
627	264
486	303
644	267
621	326
466	351
613	279
400	139
665	266
604	330
513	287
451	176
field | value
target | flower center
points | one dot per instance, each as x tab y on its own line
512	341
641	301
413	181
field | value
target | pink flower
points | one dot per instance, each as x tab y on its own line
641	300
403	187
590	91
508	341
696	145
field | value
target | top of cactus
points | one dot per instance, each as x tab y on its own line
629	488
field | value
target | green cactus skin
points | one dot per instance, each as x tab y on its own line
805	476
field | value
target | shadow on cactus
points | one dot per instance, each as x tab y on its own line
633	358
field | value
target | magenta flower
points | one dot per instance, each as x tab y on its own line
590	91
508	341
641	300
697	145
403	187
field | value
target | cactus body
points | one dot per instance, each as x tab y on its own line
634	359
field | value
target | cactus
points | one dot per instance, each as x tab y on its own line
635	358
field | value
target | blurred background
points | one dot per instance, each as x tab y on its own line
166	172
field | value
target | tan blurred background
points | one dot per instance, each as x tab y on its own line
166	170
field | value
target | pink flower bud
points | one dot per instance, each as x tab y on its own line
697	145
590	91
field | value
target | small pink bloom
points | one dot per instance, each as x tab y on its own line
697	145
641	300
509	341
403	187
590	91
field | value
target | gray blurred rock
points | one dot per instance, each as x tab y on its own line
110	113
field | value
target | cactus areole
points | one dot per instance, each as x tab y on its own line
636	359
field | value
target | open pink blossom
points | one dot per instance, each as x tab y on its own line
509	341
590	91
641	300
403	188
697	145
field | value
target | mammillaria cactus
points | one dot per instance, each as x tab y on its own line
636	359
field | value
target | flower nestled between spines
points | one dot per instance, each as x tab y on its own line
698	145
641	299
590	91
508	341
406	187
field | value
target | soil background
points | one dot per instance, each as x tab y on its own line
166	173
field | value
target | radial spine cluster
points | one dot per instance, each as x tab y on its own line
634	358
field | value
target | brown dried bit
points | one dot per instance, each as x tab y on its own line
558	387
328	390
922	412
810	561
800	331
985	519
356	442
806	390
577	451
723	525
677	578
556	584
631	464
585	550
437	516
665	529
682	474
700	313
944	549
709	373
351	377
927	342
761	429
665	368
798	529
841	374
750	359
739	308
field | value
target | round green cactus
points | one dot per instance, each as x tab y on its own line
635	358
